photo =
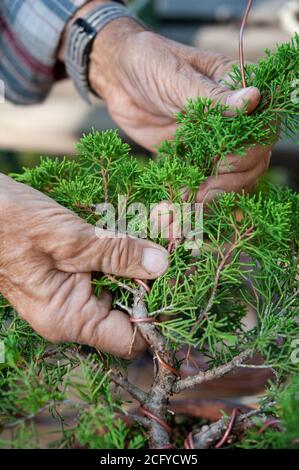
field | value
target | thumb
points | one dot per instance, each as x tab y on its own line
202	86
112	253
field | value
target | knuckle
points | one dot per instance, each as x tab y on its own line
223	65
118	255
216	94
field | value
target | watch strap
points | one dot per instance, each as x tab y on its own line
81	36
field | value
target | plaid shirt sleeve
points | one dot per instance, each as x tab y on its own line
30	32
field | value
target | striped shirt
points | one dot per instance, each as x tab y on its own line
30	33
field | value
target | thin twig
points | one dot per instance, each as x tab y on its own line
215	373
104	174
255	366
225	259
124	383
124	307
120	284
31	416
147	329
160	310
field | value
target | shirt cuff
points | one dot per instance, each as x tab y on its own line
30	35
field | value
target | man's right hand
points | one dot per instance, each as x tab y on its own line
47	255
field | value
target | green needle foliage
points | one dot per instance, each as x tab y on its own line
248	259
283	434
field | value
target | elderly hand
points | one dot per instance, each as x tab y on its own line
47	255
145	79
236	174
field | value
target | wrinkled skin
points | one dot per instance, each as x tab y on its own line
151	78
47	254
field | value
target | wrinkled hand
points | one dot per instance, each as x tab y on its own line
145	79
47	255
236	174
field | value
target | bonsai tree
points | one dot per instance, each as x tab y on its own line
244	255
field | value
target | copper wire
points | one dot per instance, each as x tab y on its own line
189	442
241	43
167	366
229	429
142	320
270	422
143	284
158	420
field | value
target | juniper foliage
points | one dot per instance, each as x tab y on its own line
248	259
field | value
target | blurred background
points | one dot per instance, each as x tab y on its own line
53	127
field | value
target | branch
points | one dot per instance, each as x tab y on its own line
216	373
148	330
145	422
164	375
134	391
50	353
32	416
220	268
120	284
209	435
124	307
224	259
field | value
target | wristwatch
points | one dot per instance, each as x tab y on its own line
80	39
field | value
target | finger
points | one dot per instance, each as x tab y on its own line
99	326
238	164
212	64
193	85
145	127
170	221
93	249
256	158
151	137
165	220
116	336
230	182
74	314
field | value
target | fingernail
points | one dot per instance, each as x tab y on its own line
155	261
239	98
